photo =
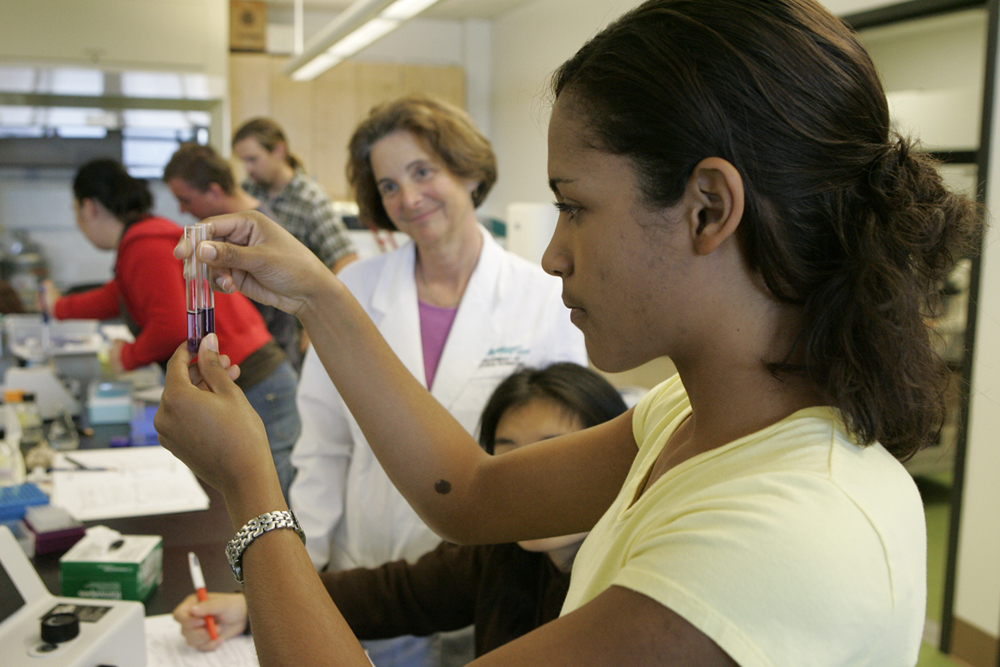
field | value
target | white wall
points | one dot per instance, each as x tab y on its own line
526	50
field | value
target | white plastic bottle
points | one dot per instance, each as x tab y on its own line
11	461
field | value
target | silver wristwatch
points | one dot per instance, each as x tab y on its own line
253	529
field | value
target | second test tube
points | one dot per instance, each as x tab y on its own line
200	298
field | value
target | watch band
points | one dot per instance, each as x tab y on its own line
253	529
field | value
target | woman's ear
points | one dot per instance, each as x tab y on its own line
714	203
88	208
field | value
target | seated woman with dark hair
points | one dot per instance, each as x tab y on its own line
505	590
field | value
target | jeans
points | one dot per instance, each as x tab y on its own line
273	398
405	651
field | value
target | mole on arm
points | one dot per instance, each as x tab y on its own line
442	486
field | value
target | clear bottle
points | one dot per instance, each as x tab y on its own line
11	461
32	432
62	434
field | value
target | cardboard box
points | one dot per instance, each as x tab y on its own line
247	25
127	572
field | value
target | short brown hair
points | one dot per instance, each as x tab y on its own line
268	134
200	166
446	129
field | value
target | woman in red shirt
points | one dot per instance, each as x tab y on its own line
147	291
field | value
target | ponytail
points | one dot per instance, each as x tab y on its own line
105	180
868	341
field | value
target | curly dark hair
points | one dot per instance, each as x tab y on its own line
842	217
447	130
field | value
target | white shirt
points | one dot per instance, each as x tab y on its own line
511	315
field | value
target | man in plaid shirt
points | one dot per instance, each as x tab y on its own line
299	204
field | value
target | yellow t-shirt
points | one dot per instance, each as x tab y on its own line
791	546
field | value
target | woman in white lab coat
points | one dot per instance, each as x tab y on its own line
459	311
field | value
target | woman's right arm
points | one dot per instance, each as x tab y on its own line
100	303
560	487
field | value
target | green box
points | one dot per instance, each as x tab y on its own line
127	572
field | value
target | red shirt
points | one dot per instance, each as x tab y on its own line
149	286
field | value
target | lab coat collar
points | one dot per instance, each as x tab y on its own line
395	300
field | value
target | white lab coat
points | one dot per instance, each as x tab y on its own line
511	315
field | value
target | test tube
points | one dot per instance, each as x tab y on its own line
200	299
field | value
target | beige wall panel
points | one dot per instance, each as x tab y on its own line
447	83
291	106
335	114
377	83
249	87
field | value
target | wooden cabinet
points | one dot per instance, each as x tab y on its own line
319	115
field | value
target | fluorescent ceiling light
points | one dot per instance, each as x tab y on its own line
362	37
315	67
356	27
402	10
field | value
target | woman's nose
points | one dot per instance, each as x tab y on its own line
411	194
557	260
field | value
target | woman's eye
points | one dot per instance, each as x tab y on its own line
563	207
386	188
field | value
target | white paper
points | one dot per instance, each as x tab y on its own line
165	647
135	481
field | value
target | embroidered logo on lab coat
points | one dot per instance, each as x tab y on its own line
505	356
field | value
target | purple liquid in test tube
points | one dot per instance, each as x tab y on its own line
200	299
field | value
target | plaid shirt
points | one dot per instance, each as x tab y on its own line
304	210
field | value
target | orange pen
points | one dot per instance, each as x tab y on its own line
199	588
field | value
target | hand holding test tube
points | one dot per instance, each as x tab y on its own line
200	298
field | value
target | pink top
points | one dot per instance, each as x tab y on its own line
435	323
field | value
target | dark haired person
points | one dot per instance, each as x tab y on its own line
203	183
504	590
277	178
460	311
147	291
731	195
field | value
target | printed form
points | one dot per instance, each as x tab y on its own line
95	484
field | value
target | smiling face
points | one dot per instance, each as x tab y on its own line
521	425
623	266
420	195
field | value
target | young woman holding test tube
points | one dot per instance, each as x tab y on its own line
732	196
